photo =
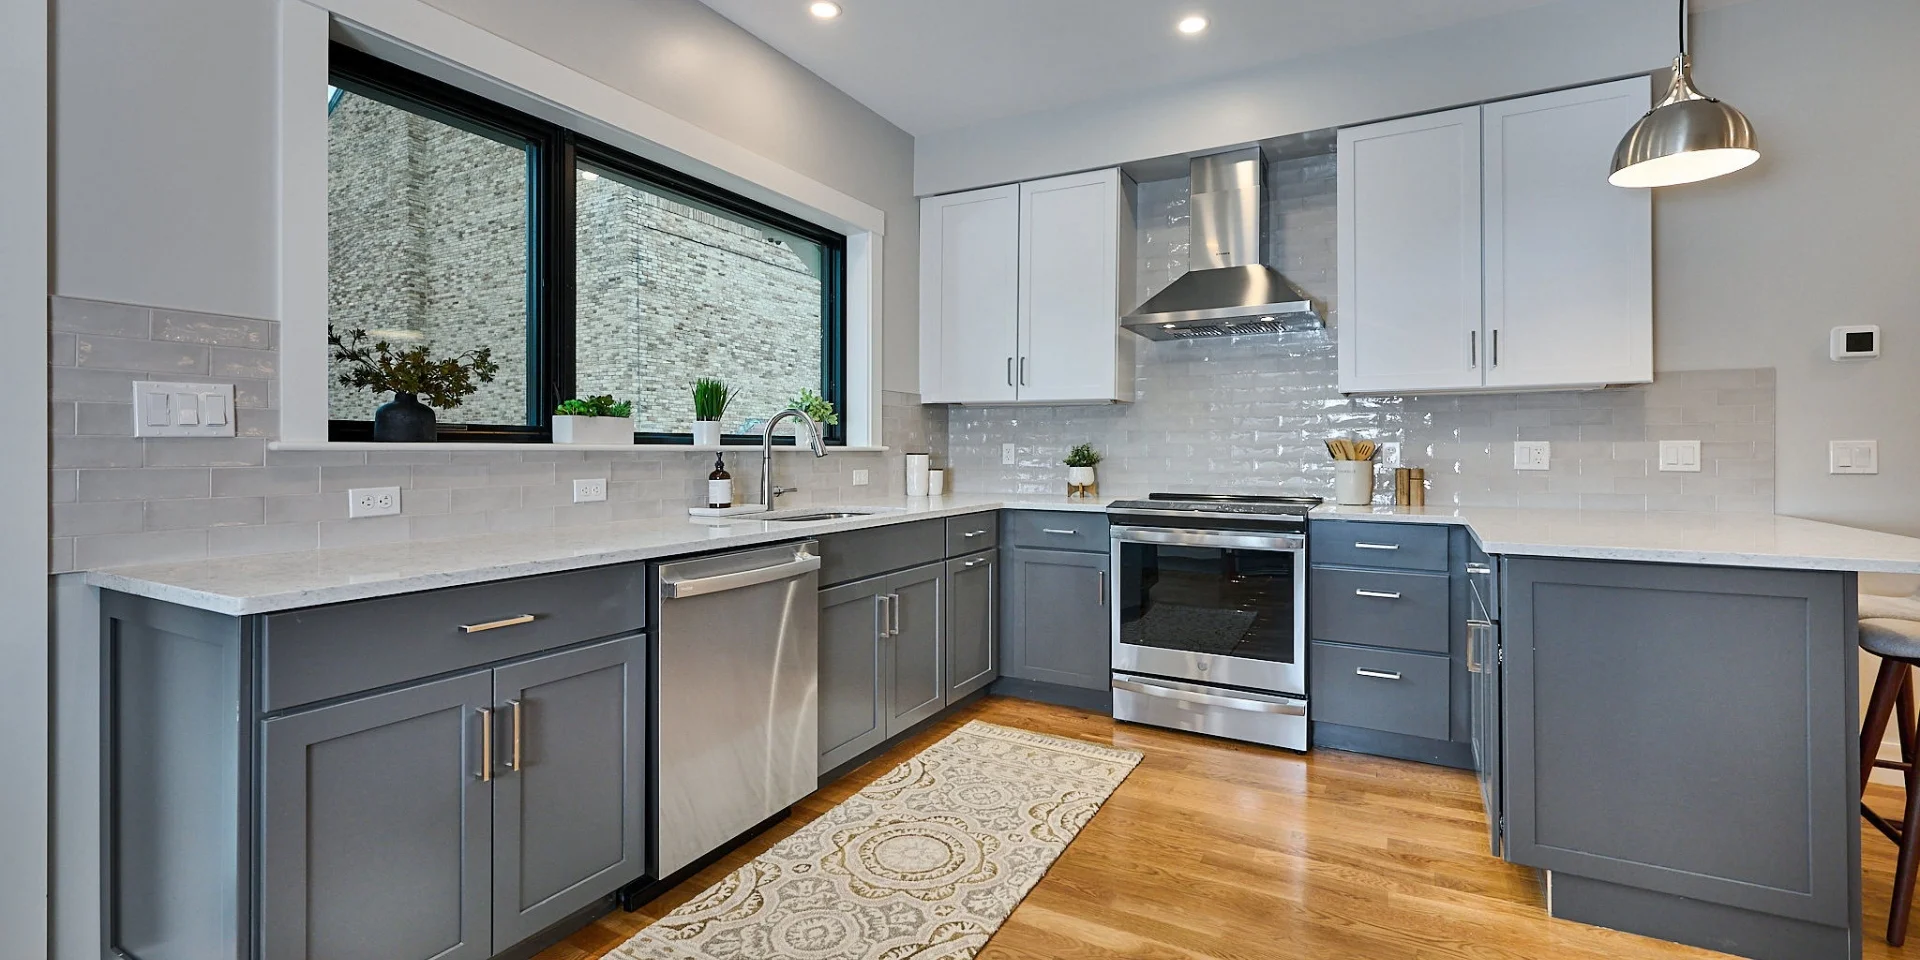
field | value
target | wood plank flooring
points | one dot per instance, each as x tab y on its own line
1232	852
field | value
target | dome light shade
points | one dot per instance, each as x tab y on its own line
1689	137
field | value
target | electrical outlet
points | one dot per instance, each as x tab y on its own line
1680	456
1390	454
1007	454
1853	456
373	502
1532	455
861	478
590	491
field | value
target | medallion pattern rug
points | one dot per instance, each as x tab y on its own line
925	863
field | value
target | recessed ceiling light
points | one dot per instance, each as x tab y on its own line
824	10
1193	24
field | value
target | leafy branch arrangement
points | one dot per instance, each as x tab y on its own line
442	383
1083	456
817	407
710	399
601	406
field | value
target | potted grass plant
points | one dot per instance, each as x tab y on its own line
599	419
710	400
411	375
1081	480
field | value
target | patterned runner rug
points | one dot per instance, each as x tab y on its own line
923	864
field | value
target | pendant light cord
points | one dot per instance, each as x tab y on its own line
1683	27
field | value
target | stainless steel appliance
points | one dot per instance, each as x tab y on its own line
1210	627
737	694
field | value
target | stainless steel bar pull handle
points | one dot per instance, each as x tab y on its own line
1480	568
974	533
1473	348
1009	371
497	624
1064	533
885	625
1382	594
1023	371
893	606
1496	346
1376	546
1377	674
970	564
518	714
486	744
1103	588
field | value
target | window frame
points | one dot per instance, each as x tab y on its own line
554	155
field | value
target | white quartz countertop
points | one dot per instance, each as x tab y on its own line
263	584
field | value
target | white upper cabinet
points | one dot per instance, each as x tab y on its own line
1569	291
1409	254
1483	249
970	296
1021	292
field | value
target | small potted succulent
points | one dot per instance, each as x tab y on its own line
710	400
1081	481
599	419
409	375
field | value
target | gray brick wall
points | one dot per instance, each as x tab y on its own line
1250	415
121	500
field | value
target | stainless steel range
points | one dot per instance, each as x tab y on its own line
1210	627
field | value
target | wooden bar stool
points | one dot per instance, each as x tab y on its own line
1897	644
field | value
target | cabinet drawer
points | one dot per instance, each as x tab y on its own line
1054	530
1388	690
309	655
972	533
859	554
1380	608
1366	543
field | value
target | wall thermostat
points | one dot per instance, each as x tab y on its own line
1855	343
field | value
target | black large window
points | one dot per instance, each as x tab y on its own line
460	223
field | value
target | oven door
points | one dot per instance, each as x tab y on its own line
1211	606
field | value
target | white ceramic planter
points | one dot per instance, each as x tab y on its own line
706	433
601	430
1080	476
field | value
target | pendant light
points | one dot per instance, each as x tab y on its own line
1687	138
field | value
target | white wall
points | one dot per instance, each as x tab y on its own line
1554	45
25	679
1753	270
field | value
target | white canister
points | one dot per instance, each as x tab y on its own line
1353	482
917	474
936	483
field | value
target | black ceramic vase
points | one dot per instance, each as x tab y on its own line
404	419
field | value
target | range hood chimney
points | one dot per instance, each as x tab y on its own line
1226	291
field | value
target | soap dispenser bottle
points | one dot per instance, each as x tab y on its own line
719	484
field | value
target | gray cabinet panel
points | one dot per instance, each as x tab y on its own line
1054	530
568	823
917	665
1387	690
972	608
1684	730
1058	619
853	704
972	533
375	832
1367	543
859	554
1381	608
325	652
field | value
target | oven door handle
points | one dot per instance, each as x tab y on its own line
1210	538
1293	708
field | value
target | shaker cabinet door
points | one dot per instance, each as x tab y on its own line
916	668
569	799
972	607
853	708
1069	290
1059	618
969	295
375	843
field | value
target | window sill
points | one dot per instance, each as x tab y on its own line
457	447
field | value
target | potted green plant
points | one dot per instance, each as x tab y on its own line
410	375
710	400
599	419
816	406
1080	476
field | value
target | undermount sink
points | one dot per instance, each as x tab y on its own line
816	516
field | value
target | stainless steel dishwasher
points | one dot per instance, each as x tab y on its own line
738	695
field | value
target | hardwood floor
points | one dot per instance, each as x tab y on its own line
1220	850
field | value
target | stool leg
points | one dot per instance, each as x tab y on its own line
1886	691
1903	876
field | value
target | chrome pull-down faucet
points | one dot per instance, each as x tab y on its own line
767	490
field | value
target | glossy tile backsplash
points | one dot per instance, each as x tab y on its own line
1250	415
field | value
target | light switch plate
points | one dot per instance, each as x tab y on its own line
1853	456
1532	455
373	502
165	409
861	478
1680	456
590	491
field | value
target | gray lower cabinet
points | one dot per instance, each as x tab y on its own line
454	818
917	665
882	659
376	828
1058	617
972	609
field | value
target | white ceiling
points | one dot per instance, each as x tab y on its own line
935	65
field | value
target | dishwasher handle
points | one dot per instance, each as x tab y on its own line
800	565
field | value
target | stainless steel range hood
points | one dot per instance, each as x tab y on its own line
1226	291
